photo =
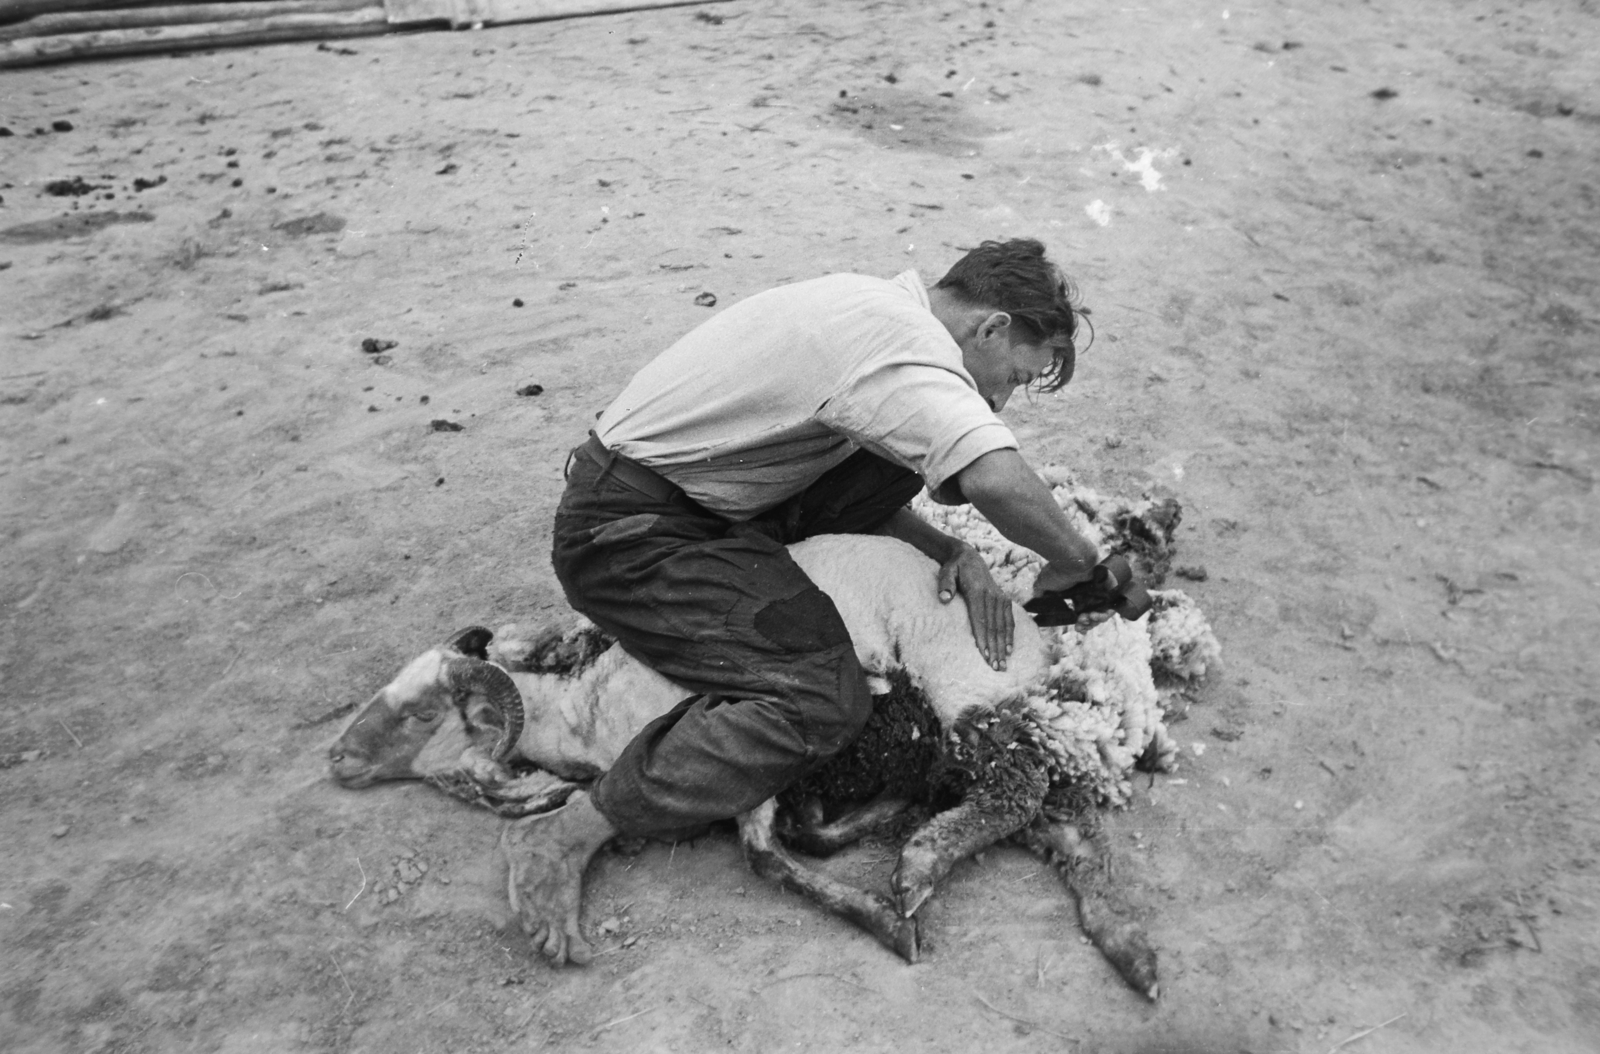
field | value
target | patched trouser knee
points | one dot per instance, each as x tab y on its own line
827	681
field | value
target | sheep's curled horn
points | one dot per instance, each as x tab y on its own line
472	642
474	672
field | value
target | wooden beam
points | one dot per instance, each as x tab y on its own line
246	32
533	10
461	13
171	15
11	10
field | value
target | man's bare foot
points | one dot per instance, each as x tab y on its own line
547	857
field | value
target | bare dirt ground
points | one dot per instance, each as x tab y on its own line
1342	261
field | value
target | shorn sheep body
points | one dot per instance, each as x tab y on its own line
1025	753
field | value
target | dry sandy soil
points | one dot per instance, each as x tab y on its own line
1342	260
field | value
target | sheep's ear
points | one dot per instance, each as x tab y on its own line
482	715
473	642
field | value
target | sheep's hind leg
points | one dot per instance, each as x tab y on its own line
1007	796
1103	912
825	839
871	912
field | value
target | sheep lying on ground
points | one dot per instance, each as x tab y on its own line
1023	752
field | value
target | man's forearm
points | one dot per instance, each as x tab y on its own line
929	540
1019	504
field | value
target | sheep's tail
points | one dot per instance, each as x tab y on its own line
1103	911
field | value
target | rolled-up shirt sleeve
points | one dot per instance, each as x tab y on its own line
929	419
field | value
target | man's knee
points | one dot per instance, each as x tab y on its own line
806	622
836	721
829	688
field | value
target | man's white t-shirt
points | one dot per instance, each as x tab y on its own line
750	407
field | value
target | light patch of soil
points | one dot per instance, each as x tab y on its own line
1354	333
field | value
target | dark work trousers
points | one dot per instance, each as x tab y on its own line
722	609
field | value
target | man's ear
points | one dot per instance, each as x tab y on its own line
998	324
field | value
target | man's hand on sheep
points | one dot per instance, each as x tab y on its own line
962	572
988	607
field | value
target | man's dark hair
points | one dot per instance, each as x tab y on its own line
1014	277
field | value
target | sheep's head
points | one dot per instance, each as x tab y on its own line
449	711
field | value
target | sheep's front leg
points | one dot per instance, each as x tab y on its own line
1006	796
538	792
870	911
824	839
1103	911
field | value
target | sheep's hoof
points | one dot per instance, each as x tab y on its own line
1127	950
908	941
913	880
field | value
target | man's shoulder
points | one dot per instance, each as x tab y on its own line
905	287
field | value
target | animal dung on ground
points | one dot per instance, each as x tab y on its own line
531	389
1384	94
372	345
516	302
71	188
61	126
439	424
706	300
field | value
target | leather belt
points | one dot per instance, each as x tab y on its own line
630	473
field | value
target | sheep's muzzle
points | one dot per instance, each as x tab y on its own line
354	760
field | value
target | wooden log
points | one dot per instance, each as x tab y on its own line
457	12
532	10
461	13
171	15
11	10
248	32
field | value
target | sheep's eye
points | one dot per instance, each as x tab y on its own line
425	716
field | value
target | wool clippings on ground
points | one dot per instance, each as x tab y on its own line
1144	167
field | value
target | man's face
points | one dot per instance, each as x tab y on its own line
1000	361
